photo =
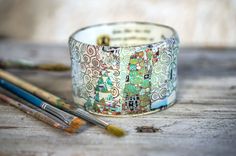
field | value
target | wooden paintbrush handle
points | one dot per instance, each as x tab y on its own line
33	112
52	99
64	116
21	93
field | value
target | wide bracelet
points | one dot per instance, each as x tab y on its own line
125	68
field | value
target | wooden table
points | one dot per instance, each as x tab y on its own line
203	122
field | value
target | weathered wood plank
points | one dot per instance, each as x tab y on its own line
203	121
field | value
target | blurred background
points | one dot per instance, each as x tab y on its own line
200	23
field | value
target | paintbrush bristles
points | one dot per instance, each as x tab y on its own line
76	123
115	130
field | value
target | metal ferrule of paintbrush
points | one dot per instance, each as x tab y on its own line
109	127
88	117
64	116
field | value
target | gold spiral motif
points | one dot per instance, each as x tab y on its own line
115	92
86	78
95	62
165	59
83	68
162	93
155	96
89	87
95	72
116	73
91	50
89	71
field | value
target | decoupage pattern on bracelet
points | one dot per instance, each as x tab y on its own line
121	81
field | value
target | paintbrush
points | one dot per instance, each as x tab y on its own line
21	64
60	103
38	113
69	119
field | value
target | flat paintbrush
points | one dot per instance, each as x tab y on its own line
69	119
38	113
60	103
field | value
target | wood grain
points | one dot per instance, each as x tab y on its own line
203	121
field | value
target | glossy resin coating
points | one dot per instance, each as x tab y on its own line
127	68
